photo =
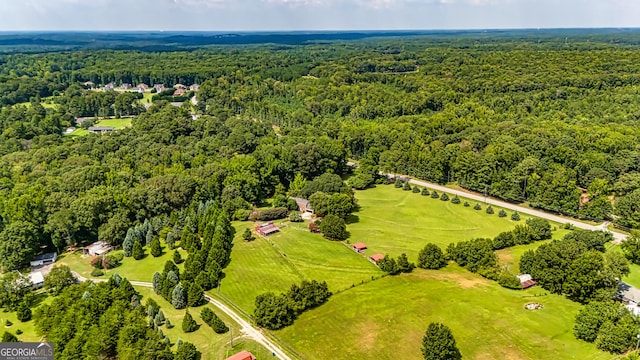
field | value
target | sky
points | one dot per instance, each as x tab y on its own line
255	15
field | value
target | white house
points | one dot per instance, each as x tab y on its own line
36	279
44	259
97	248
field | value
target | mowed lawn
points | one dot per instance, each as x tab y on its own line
393	221
28	327
286	258
134	270
116	123
387	318
213	346
510	257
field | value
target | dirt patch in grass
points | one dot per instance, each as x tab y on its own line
369	331
461	279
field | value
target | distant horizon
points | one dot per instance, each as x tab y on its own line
324	15
303	31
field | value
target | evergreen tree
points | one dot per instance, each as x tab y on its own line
159	319
515	216
434	194
466	204
502	213
489	210
477	206
424	192
178	297
187	351
177	258
404	265
149	236
211	319
438	343
248	235
388	265
444	197
156	248
8	337
156	282
188	323
127	244
195	296
406	186
138	251
24	312
170	240
168	324
455	200
416	189
398	184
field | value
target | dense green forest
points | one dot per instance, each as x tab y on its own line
521	120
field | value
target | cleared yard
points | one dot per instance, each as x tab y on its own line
289	257
134	270
387	318
116	123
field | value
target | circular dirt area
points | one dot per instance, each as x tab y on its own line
533	306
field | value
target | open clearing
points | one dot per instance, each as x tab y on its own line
387	318
134	270
116	123
296	254
392	221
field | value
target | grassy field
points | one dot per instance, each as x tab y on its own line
146	98
289	257
510	257
134	270
27	328
393	221
116	123
212	345
387	318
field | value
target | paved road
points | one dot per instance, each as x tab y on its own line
245	326
618	237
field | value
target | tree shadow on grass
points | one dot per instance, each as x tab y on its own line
352	219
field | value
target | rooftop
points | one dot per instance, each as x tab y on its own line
360	246
101	128
376	257
242	355
47	256
629	292
36	278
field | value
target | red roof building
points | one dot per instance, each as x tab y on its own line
526	281
359	247
242	355
375	258
267	229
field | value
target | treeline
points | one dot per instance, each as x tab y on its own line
208	240
103	320
98	187
277	311
577	266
